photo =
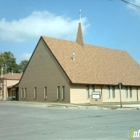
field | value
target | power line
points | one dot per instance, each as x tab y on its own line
132	4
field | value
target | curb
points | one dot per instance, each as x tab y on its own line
69	106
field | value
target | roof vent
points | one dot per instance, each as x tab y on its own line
73	56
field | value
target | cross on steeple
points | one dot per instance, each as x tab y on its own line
80	14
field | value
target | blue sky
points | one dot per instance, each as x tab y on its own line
107	23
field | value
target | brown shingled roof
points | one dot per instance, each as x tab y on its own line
93	64
14	76
79	38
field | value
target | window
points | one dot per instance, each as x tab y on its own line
12	92
126	92
130	92
22	93
113	92
137	94
87	91
58	92
25	93
45	93
63	92
108	92
93	89
35	92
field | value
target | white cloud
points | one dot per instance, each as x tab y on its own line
135	2
40	23
25	56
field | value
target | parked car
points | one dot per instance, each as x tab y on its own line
11	98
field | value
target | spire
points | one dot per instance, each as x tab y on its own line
79	39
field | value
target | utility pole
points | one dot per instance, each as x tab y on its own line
120	87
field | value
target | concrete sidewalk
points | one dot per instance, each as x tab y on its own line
76	106
137	106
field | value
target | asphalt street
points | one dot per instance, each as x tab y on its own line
39	122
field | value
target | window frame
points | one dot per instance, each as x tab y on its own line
25	93
130	92
35	93
87	92
108	92
45	92
58	92
22	93
113	92
63	92
93	89
126	92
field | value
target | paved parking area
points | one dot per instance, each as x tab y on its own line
38	122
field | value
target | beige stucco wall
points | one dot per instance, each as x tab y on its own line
12	82
111	99
8	83
117	95
78	94
44	71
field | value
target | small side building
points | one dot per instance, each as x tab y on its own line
7	82
65	71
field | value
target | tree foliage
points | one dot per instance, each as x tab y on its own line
8	62
23	65
1	60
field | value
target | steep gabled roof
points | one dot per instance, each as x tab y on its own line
93	64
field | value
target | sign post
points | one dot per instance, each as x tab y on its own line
120	87
96	95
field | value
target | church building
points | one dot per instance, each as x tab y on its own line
74	72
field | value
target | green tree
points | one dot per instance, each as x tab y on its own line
1	60
23	64
8	62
